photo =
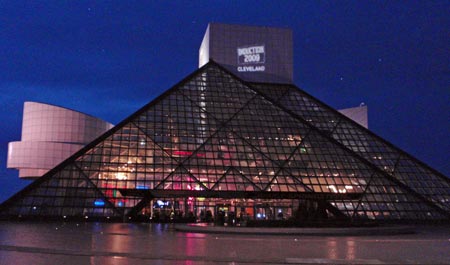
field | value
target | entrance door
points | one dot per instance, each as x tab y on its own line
225	215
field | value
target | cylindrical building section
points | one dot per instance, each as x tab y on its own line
50	134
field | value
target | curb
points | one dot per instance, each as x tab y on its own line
329	231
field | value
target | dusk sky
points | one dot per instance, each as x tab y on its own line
109	58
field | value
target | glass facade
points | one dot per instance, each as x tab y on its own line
215	146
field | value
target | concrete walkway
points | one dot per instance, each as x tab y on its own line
160	244
307	231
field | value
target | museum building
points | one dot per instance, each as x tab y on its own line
237	139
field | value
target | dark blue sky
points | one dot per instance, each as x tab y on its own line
109	58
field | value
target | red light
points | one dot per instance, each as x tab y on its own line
186	153
182	153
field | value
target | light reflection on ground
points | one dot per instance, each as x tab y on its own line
96	243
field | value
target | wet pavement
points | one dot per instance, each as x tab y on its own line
118	243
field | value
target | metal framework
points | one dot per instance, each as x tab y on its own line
214	139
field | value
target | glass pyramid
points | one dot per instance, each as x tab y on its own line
214	143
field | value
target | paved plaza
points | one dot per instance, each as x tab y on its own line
101	243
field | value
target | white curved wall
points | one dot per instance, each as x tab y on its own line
50	134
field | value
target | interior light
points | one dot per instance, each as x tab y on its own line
99	203
121	176
333	188
160	203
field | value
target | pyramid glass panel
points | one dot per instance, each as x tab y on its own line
367	145
233	180
67	193
215	143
